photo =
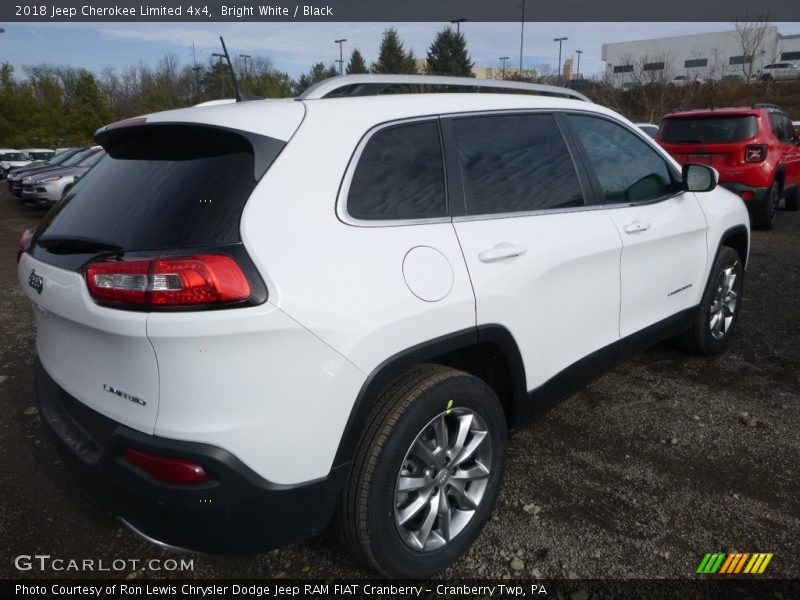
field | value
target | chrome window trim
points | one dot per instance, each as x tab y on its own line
344	189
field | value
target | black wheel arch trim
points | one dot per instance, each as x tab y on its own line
727	235
426	351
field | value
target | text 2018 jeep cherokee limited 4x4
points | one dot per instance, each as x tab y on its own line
257	318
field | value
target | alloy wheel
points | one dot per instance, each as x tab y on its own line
442	479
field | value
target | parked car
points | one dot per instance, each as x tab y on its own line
46	187
244	350
780	71
684	80
754	149
650	129
39	153
10	159
67	158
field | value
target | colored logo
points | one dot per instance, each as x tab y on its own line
731	564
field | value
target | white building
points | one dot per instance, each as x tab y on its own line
725	54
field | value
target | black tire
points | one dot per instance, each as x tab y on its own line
368	521
791	202
700	339
763	217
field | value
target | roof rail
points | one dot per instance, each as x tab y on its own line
373	85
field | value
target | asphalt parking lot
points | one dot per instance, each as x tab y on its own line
638	476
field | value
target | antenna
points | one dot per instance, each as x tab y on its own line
233	73
240	97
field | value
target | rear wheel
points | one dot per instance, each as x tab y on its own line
763	217
719	309
426	473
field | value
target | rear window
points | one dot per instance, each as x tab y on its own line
161	187
708	130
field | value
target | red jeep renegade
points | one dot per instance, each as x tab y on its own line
755	150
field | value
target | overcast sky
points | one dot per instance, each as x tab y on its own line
293	47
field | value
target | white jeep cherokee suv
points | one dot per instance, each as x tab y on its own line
253	317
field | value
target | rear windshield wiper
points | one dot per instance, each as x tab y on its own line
75	245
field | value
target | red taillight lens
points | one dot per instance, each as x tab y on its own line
24	242
165	468
755	153
168	281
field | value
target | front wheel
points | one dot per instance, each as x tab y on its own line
719	309
426	473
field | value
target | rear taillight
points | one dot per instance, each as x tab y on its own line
24	242
166	281
755	153
165	468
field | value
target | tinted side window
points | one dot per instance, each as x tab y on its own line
628	169
515	163
400	175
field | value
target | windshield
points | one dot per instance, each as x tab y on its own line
78	157
12	156
91	160
40	155
708	129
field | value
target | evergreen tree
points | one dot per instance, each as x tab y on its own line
392	58
448	55
318	72
356	64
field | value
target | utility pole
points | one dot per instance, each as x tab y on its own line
220	73
341	55
504	59
457	23
578	68
245	57
521	38
559	40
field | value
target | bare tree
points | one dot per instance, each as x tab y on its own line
750	38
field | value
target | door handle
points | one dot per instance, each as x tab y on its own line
636	227
502	251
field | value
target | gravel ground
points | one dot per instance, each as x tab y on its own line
662	460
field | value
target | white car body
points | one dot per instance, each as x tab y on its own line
7	162
276	384
781	71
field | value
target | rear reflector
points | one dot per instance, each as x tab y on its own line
755	153
165	468
747	195
185	281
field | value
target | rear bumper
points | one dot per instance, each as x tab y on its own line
758	197
236	511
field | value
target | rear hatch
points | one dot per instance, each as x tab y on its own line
718	140
165	194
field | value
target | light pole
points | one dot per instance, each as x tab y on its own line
521	37
245	57
220	74
504	59
457	23
341	56
578	68
559	40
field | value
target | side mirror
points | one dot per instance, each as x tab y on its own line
699	178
